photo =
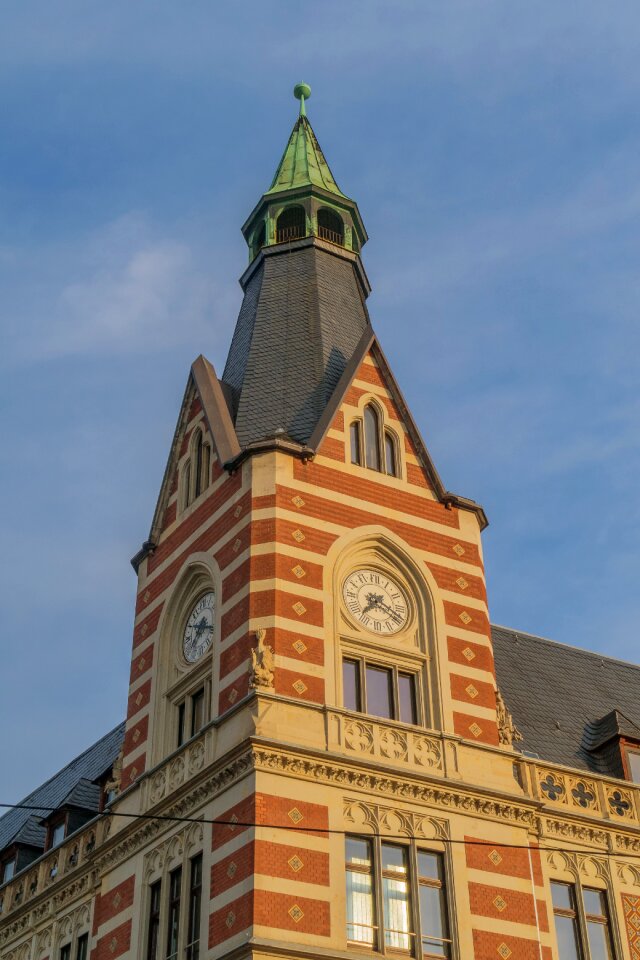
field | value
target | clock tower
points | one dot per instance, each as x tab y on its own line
311	597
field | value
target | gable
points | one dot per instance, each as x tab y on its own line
203	405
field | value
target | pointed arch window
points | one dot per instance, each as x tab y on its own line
198	464
390	458
291	224
356	442
186	485
330	226
196	473
371	437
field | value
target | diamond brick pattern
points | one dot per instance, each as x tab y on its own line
464	616
232	870
146	596
230	919
233	695
298	536
462	583
495	858
117	900
472	691
136	736
299	608
299	646
296	913
295	863
144	630
236	545
500	903
299	686
298	571
295	816
113	945
504	951
237	511
475	729
141	664
139	699
468	654
458	550
631	910
297	501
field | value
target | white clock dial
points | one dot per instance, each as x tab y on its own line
376	601
199	628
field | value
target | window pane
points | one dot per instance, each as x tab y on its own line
9	870
175	881
371	438
197	712
395	898
83	942
379	691
433	921
195	899
634	765
354	435
562	896
65	952
407	698
599	942
390	454
567	935
360	908
154	921
351	685
180	724
57	834
429	865
594	903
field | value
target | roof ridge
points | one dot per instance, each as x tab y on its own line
568	646
92	746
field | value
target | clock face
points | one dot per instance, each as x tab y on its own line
376	601
198	631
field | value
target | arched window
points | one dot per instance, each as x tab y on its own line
330	226
198	465
186	485
259	238
354	435
206	466
371	438
291	224
390	459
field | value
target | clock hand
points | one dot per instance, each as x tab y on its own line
390	611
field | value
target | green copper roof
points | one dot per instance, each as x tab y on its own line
303	162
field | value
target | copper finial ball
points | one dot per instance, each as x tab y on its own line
302	91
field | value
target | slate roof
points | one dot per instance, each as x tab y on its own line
71	784
569	704
301	319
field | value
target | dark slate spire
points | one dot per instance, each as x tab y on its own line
304	309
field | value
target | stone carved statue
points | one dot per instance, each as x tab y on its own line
262	663
507	730
115	781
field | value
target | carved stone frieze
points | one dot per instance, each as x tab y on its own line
387	742
374	783
574	831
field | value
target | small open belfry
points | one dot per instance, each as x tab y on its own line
328	751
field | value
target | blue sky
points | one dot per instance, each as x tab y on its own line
493	150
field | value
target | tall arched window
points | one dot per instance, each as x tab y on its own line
330	226
371	438
291	224
198	465
186	485
354	436
390	460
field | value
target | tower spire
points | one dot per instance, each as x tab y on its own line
302	92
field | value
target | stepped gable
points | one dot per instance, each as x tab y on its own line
562	699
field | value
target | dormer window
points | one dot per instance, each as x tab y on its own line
57	834
8	869
330	226
633	764
291	224
379	451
